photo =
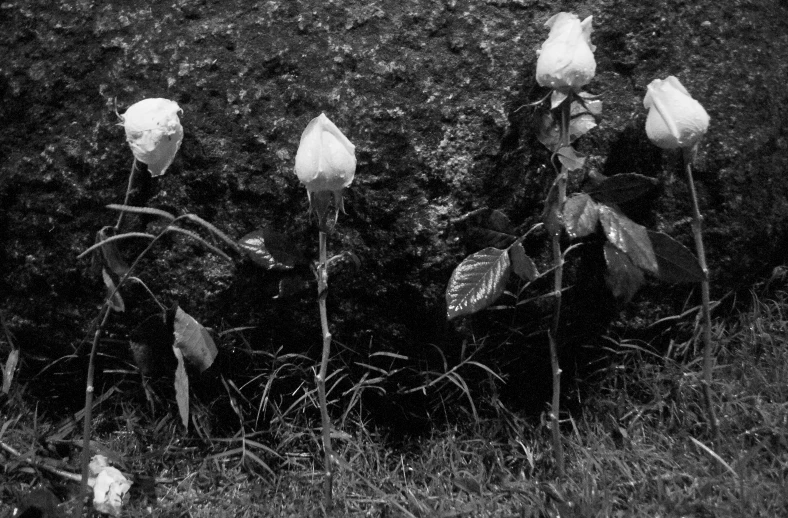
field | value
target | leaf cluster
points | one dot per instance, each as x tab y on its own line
630	250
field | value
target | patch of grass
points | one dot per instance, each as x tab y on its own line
639	447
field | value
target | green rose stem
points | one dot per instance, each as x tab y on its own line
322	292
128	194
88	418
558	263
104	316
697	221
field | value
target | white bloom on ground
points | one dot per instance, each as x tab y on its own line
109	486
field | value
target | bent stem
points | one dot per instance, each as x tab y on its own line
322	291
88	419
708	361
128	193
89	390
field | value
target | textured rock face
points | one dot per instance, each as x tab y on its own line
431	93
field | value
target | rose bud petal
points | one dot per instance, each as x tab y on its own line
154	132
326	159
675	119
325	163
566	59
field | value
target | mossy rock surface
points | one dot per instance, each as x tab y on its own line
432	94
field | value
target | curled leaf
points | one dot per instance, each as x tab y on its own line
522	265
182	388
115	300
110	253
9	369
194	341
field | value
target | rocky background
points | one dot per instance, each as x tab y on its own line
433	95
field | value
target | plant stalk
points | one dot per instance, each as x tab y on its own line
128	193
322	292
88	419
708	360
558	275
89	390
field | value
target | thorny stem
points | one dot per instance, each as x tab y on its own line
128	193
708	361
322	291
86	429
558	264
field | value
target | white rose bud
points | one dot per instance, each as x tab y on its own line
154	132
566	60
325	163
326	159
675	119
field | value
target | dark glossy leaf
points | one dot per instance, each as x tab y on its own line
622	188
570	158
477	282
487	227
549	130
522	265
628	237
271	250
581	215
622	277
194	341
580	125
676	263
582	120
587	103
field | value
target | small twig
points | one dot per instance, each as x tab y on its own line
221	235
59	472
115	238
142	210
196	237
145	286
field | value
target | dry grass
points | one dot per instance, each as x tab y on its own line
639	448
